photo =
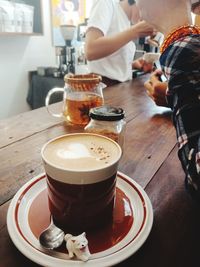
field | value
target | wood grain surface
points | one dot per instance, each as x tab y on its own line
149	157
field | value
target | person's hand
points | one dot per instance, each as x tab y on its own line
157	89
142	65
143	29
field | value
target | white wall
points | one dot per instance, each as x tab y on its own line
18	55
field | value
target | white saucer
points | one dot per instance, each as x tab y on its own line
137	209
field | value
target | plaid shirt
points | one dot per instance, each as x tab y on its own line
181	64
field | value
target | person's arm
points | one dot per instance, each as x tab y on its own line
97	45
156	89
142	65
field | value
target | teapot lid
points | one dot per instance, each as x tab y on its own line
87	78
82	81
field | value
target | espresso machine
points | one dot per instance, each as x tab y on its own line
68	64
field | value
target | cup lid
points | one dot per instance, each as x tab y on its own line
107	113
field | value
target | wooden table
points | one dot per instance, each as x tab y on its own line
150	158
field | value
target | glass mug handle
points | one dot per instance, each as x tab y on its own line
48	97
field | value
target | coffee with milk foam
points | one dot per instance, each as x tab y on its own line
83	153
81	178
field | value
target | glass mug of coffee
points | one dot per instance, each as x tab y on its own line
81	173
81	93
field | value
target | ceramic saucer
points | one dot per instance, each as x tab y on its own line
28	215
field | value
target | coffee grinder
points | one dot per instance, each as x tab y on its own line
68	35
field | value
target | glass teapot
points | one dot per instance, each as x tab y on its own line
80	93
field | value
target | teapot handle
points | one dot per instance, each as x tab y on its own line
48	97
